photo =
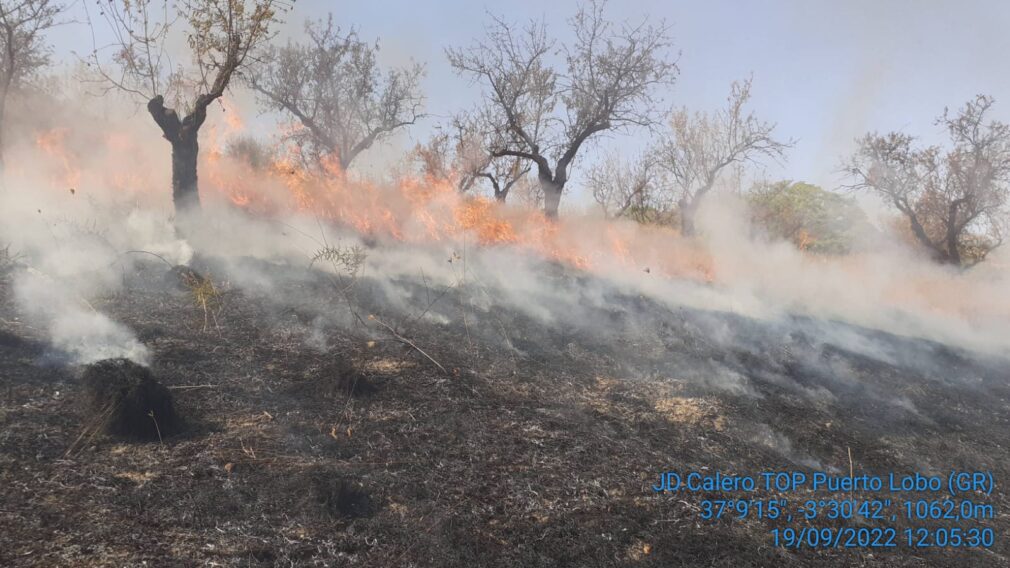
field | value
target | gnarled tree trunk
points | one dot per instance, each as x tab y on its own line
183	136
185	190
552	199
552	192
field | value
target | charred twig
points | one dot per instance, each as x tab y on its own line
335	278
154	254
504	333
407	342
92	428
156	427
431	302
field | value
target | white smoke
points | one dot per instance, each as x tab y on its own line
76	330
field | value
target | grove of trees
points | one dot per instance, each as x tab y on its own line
542	103
546	101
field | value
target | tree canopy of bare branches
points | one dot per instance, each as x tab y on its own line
632	189
221	35
459	152
335	88
544	110
22	49
699	148
955	201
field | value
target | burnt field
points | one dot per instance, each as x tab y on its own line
397	422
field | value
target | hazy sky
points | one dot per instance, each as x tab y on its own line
824	71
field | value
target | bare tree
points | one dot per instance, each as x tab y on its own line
221	34
460	152
455	151
545	113
632	189
700	148
503	175
333	85
955	201
22	49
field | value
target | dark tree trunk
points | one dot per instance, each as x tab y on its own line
687	214
3	138
185	192
953	254
500	193
183	135
552	198
951	258
945	256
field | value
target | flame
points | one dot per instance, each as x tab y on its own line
425	209
232	117
53	143
421	209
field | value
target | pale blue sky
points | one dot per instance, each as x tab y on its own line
824	71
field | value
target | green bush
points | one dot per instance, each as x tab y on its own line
813	219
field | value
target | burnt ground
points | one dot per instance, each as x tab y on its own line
317	439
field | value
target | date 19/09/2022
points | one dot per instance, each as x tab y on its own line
956	499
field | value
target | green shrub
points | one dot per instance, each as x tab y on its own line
813	219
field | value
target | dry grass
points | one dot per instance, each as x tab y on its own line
206	296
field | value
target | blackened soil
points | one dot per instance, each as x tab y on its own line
320	438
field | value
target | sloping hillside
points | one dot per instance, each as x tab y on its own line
322	430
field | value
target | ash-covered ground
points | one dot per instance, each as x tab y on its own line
398	422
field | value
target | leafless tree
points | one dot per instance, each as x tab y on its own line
455	151
333	85
221	35
955	201
22	49
460	152
545	111
503	174
700	148
632	189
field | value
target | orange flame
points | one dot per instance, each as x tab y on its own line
426	209
53	144
420	209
